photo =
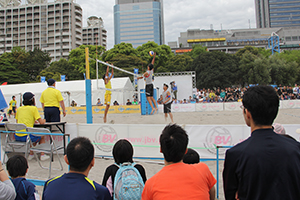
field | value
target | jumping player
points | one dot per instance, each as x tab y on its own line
167	101
107	96
149	86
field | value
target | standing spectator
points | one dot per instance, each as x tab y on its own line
12	106
75	184
266	165
177	180
167	101
51	98
174	89
122	153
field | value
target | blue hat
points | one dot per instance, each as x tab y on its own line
50	81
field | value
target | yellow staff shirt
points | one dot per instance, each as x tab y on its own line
51	97
27	115
13	103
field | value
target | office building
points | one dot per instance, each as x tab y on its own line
138	21
277	13
55	27
94	33
230	41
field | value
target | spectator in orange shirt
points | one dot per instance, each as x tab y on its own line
178	180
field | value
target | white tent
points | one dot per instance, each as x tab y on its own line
122	89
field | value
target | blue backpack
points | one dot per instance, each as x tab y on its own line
128	183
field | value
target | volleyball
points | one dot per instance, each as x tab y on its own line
151	53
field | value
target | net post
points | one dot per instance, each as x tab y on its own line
217	160
88	89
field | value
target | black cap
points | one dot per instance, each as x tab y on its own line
166	85
50	81
27	96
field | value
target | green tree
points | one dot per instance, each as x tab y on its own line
77	59
179	63
163	54
122	48
247	49
197	50
62	67
215	69
35	63
9	70
254	69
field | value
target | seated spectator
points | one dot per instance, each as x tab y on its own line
177	180
184	101
17	168
73	103
99	102
190	99
7	189
181	102
211	94
160	100
175	101
135	102
122	153
128	102
191	157
28	115
75	184
116	103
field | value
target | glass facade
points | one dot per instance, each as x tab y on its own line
277	13
139	22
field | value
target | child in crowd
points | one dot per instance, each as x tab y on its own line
122	153
27	115
17	168
191	157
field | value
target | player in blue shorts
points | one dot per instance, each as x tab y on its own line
75	184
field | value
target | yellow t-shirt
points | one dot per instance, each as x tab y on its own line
108	86
13	103
51	97
27	115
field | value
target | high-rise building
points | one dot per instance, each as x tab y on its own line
55	27
138	21
94	33
277	13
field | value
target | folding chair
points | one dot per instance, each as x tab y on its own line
49	148
10	139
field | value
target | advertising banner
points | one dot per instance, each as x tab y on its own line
100	110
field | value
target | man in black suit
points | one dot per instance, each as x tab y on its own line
266	165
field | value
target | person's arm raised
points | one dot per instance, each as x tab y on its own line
153	60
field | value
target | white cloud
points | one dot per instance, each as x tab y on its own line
180	15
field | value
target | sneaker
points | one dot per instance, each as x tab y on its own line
30	157
44	157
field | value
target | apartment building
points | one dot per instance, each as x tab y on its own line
94	33
55	27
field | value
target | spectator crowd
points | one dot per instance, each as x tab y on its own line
234	94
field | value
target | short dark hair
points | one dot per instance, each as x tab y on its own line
122	151
150	66
80	153
103	77
13	97
17	166
191	157
29	102
263	103
173	142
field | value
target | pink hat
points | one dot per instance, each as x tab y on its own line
279	129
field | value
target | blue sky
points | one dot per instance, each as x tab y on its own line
180	15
